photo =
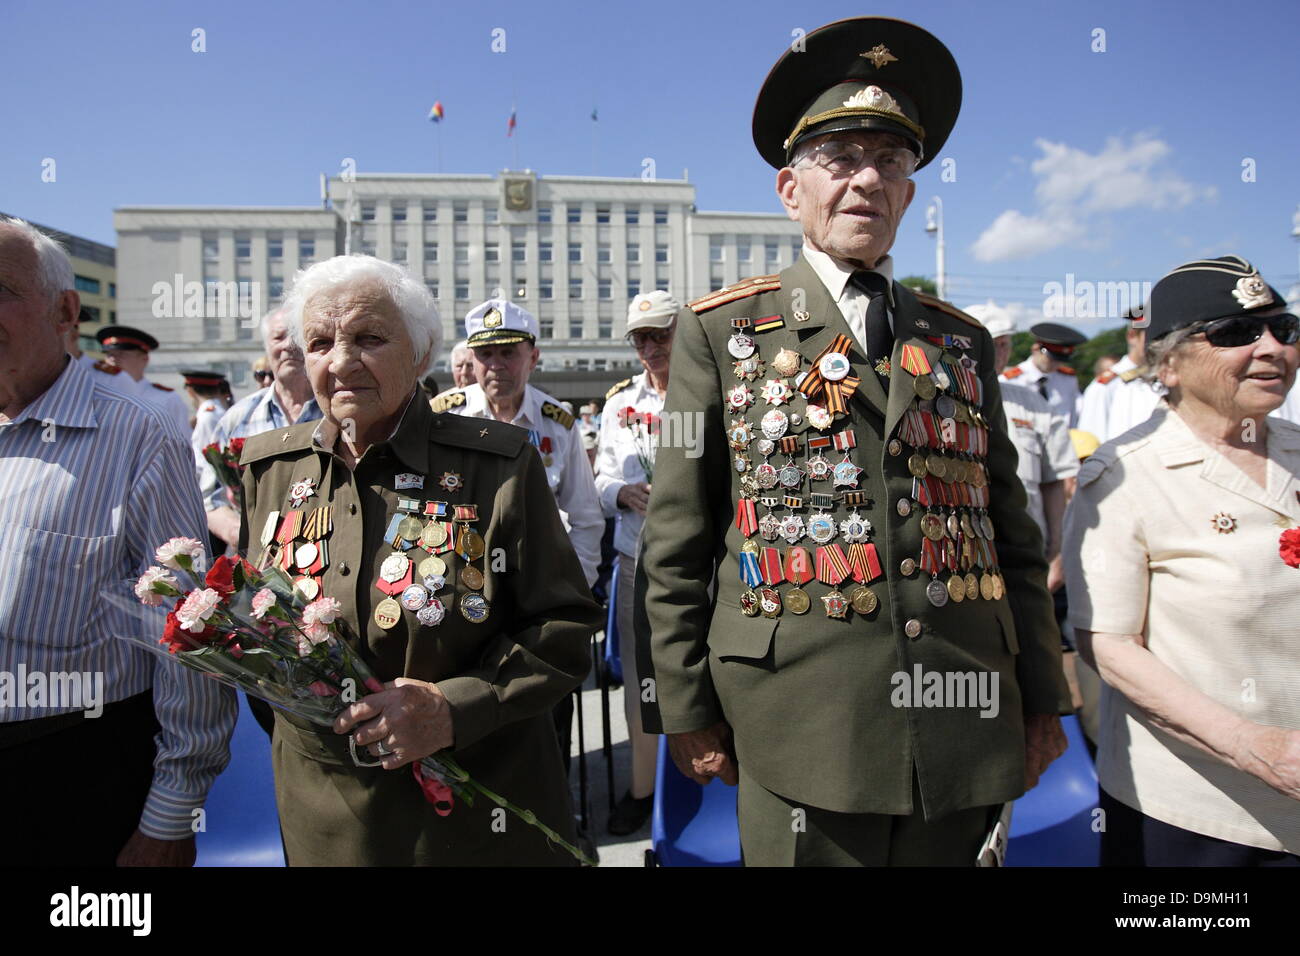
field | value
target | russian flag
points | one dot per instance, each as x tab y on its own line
510	124
436	113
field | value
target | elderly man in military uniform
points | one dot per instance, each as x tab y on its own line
856	495
128	349
1045	370
502	340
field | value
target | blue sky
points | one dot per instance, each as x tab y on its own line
1113	166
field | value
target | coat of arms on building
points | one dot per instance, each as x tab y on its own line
518	193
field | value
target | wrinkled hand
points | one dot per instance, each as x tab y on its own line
143	850
409	718
705	754
635	497
1273	755
1044	742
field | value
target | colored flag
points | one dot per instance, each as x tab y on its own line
436	113
594	118
510	124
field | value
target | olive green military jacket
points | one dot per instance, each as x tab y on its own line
501	676
811	699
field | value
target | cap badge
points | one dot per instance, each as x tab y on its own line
879	55
873	97
645	305
1252	292
492	318
1224	523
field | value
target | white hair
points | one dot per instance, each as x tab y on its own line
54	268
265	324
415	304
462	344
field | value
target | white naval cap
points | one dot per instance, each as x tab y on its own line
499	322
651	310
996	319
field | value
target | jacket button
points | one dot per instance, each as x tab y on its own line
912	628
895	446
352	508
343	568
907	567
904	507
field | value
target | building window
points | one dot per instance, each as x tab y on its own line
599	365
275	288
661	279
518	252
462	291
432	286
546	289
460	212
605	327
430	252
604	289
544	212
771	251
545	252
211	250
211	330
633	289
661	252
742	249
521	288
367	212
112	290
93	312
243	248
583	364
399	252
602	253
661	215
575	288
602	214
306	249
368	247
715	249
575	212
633	215
546	328
429	211
462	252
399	213
491	213
633	253
86	284
575	253
244	329
491	252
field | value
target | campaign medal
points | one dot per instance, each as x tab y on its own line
433	535
863	599
925	387
832	568
307	587
394	567
786	363
432	614
944	406
936	592
410	528
740	346
740	398
387	613
972	586
414	597
818	468
471	577
748	368
450	481
774	424
798	571
821	526
776	391
432	566
474	608
302	490
855	529
957	588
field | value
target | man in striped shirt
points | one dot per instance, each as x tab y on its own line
106	751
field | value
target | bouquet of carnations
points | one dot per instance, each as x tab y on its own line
253	630
645	437
225	462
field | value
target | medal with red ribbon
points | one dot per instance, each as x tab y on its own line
769	562
864	562
746	516
798	566
833	394
832	565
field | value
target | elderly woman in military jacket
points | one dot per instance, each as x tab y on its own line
441	540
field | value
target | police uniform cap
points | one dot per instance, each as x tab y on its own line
864	73
651	310
124	337
1208	289
499	322
1056	338
203	377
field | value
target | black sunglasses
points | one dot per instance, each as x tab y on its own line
1238	330
262	375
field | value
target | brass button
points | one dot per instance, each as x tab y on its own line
352	508
343	568
912	628
907	567
904	507
895	446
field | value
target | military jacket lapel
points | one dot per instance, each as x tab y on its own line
906	332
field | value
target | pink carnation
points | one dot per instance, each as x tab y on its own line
144	587
263	601
168	553
198	606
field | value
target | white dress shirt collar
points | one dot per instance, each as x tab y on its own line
835	274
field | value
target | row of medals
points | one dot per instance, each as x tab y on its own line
956	529
426	587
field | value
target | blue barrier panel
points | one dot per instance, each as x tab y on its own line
243	828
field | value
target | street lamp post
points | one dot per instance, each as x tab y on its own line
934	226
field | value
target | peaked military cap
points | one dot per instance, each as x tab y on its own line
203	377
1207	289
499	322
1058	339
125	337
870	73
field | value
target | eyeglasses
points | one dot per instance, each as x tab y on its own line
1238	330
842	157
640	338
262	375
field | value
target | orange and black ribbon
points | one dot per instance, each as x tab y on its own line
834	395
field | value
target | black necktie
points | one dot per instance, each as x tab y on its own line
1042	386
880	337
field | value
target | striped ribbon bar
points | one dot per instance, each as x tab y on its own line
853	497
920	494
914	360
792	502
789	445
768	323
741	322
770	565
798	566
821	500
864	562
749	572
746	516
929	557
435	509
467	512
832	565
844	440
818	443
769	502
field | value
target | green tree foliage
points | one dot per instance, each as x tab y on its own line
920	284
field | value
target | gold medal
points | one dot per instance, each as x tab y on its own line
957	588
972	587
925	387
932	526
387	613
409	528
797	601
432	565
916	465
434	534
749	603
935	465
473	544
864	600
999	588
986	586
471	577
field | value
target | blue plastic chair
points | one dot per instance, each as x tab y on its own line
1052	825
613	662
692	825
243	828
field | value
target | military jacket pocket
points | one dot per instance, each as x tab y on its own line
734	636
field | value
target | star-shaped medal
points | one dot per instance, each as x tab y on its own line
776	391
740	398
301	491
846	474
450	481
748	368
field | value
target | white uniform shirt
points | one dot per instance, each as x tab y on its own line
205	428
1063	395
568	470
1043	447
1131	405
119	381
618	461
169	402
1094	407
1168	539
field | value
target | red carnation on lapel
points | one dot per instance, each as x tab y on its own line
1288	546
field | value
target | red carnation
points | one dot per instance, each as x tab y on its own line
236	447
1288	546
175	638
221	577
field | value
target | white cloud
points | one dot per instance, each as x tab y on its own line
1076	190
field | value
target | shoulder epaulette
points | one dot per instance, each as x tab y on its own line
278	442
741	290
452	398
1105	377
551	410
102	366
617	387
942	306
1066	370
479	434
1130	374
162	388
1014	372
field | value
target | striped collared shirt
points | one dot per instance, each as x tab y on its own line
91	482
251	415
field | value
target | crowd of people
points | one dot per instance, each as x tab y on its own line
875	492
